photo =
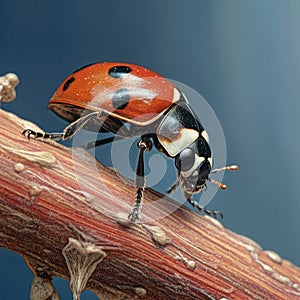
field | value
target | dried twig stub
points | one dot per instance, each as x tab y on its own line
7	87
82	259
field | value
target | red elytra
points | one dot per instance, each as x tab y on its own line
144	94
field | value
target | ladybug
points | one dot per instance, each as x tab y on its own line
130	100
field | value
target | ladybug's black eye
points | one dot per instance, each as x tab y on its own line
119	71
185	159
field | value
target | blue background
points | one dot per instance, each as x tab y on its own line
242	56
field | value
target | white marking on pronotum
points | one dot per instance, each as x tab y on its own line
176	95
205	136
186	136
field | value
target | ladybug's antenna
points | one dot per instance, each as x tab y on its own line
220	184
230	168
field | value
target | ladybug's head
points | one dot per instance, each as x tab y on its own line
194	165
193	168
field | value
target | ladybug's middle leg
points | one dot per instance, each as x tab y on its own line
140	182
68	132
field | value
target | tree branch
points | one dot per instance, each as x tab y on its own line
68	220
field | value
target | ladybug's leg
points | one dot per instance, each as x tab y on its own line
68	132
140	182
212	213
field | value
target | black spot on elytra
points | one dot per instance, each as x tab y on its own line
121	98
119	71
67	83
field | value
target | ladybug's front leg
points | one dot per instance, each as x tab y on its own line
213	213
68	132
140	182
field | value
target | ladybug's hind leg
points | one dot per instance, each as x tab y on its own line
140	182
68	132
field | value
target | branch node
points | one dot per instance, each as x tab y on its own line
19	167
274	256
158	236
82	259
190	264
140	291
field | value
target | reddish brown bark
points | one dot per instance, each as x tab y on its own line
181	256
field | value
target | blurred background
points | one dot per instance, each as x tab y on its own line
243	57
